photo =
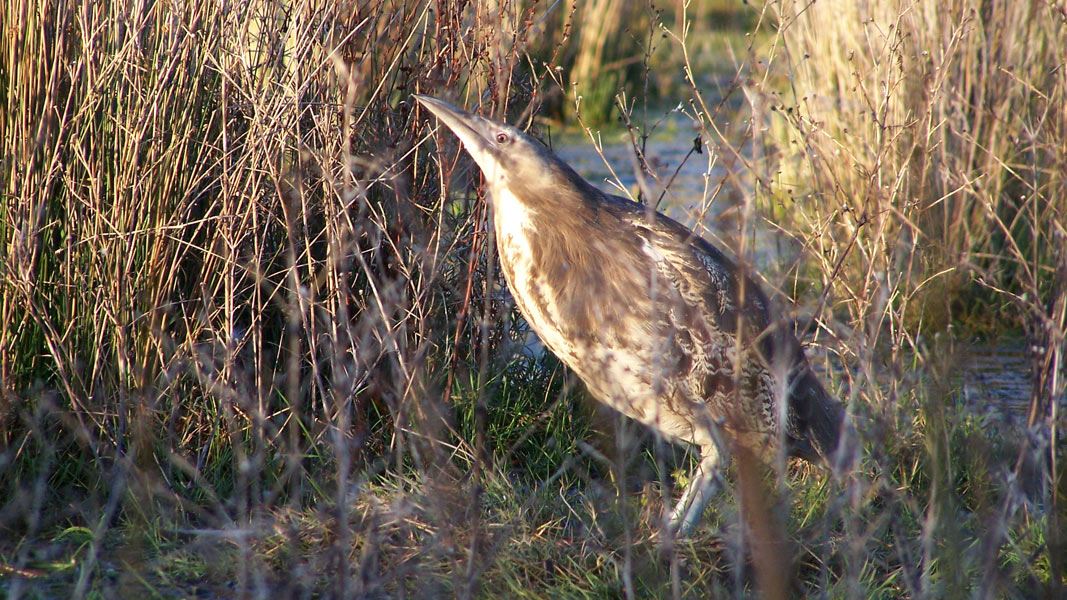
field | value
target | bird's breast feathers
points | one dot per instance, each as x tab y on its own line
515	226
592	311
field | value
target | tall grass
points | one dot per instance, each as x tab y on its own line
939	127
227	262
918	150
253	342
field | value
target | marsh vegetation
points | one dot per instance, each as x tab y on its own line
253	341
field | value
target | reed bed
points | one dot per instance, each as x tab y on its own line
253	341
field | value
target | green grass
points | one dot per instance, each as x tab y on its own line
557	525
575	537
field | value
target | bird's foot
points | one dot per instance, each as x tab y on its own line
686	514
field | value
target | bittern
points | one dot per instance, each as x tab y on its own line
658	323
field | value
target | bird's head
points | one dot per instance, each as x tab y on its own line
509	158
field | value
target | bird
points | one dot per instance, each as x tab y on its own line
658	323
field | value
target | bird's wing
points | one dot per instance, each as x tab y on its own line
715	288
701	273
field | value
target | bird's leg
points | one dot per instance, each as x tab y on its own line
687	512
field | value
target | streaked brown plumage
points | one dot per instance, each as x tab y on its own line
657	322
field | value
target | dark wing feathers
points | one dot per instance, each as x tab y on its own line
814	417
819	417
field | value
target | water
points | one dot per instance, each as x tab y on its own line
667	150
997	378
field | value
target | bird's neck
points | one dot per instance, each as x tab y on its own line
512	214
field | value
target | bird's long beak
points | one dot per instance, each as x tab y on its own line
462	123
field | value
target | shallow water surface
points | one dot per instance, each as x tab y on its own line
997	378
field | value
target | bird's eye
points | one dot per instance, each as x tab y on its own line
501	138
